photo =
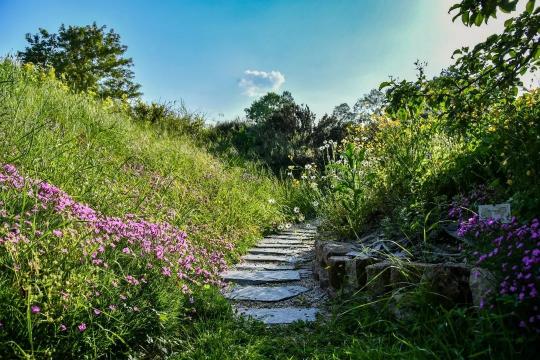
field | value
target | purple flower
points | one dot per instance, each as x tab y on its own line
62	327
97	312
35	309
81	327
57	233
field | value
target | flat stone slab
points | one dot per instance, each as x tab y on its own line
260	277
271	258
285	242
264	266
271	251
264	293
289	236
285	315
284	246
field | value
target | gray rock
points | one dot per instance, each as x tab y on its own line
263	266
271	251
355	272
264	293
260	277
284	246
285	315
326	249
378	277
270	258
284	242
483	284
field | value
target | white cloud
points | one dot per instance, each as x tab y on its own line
256	82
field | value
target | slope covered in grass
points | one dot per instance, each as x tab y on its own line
108	228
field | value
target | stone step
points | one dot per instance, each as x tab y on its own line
285	315
270	258
289	236
246	277
279	251
285	242
271	251
284	246
263	266
264	293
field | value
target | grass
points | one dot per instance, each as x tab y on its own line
356	329
95	153
101	157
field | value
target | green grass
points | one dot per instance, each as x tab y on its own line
356	328
94	152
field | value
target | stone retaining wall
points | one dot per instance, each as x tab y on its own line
344	267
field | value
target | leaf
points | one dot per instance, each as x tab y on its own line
465	18
384	84
478	19
508	23
530	6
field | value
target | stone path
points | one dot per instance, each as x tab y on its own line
274	282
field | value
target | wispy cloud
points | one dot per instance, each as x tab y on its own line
256	82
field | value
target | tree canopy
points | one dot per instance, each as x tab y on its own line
88	58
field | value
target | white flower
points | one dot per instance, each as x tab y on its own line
301	217
304	176
308	166
281	227
296	210
312	177
288	225
325	142
289	174
315	203
321	148
271	201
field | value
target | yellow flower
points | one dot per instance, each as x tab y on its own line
509	182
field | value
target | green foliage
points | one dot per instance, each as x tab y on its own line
355	329
88	58
93	151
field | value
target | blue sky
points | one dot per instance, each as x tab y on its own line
218	56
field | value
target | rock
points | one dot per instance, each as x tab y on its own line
260	277
450	281
285	242
264	293
355	272
263	266
284	315
321	274
270	258
378	277
326	249
271	251
483	284
407	273
284	246
336	270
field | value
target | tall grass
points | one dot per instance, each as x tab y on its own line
74	284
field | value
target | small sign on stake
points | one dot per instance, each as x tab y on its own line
499	212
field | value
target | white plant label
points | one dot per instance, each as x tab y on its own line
496	212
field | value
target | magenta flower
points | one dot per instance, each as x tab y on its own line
35	309
57	233
81	327
62	327
97	312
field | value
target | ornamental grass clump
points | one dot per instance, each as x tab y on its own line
512	252
73	281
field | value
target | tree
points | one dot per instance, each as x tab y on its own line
480	77
88	58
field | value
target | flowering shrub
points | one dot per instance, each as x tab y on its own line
513	252
70	275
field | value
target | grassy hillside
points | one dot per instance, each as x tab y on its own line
68	284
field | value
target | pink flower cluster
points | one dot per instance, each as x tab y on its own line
158	245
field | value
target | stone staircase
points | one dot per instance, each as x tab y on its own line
274	282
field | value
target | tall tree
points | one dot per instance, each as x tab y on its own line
89	58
